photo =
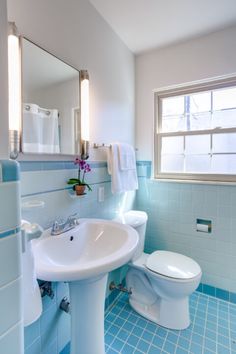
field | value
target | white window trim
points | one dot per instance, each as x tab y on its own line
183	89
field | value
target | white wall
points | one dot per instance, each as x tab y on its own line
3	82
75	32
201	58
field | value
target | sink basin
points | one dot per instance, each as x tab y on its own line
83	257
92	248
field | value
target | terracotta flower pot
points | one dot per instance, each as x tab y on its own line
79	189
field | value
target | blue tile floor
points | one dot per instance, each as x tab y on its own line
213	330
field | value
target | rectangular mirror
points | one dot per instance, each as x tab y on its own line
50	94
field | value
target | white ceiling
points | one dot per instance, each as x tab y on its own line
148	24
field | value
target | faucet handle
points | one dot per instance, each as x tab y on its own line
72	215
61	221
55	226
72	219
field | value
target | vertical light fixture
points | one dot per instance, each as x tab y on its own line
14	90
84	102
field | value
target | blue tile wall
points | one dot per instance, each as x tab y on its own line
10	171
11	322
11	232
173	208
45	182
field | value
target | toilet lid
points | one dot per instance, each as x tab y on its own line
173	265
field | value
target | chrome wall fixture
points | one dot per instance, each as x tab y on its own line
14	90
103	145
119	287
84	102
14	143
46	289
65	305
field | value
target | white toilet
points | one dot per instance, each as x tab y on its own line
160	282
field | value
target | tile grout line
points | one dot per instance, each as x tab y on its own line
193	322
219	311
204	334
127	331
230	341
141	336
116	315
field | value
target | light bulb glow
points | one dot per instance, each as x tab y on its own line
85	109
14	75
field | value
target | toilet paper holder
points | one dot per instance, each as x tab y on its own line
203	225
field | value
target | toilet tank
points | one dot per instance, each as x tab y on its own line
138	220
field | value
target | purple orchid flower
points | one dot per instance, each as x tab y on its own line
83	167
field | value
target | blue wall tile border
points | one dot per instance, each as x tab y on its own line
27	166
144	163
59	189
217	293
46	191
9	232
148	165
10	170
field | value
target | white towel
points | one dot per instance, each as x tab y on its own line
127	159
122	179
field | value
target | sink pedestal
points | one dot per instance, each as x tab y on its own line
87	298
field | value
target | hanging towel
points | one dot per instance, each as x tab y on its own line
127	159
122	169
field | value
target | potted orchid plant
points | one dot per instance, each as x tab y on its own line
79	183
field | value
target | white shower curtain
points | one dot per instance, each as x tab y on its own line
40	133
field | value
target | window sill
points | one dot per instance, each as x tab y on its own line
193	181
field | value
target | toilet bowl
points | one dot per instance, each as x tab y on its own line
160	282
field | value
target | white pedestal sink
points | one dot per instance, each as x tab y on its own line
83	256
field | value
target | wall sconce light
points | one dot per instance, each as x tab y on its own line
14	90
84	102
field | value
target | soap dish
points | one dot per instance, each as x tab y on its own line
32	204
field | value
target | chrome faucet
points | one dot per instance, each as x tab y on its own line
59	227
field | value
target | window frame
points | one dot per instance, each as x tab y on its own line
185	89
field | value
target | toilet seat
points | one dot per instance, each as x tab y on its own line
172	265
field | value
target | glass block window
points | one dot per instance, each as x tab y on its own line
195	134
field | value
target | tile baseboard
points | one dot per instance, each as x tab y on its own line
217	292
